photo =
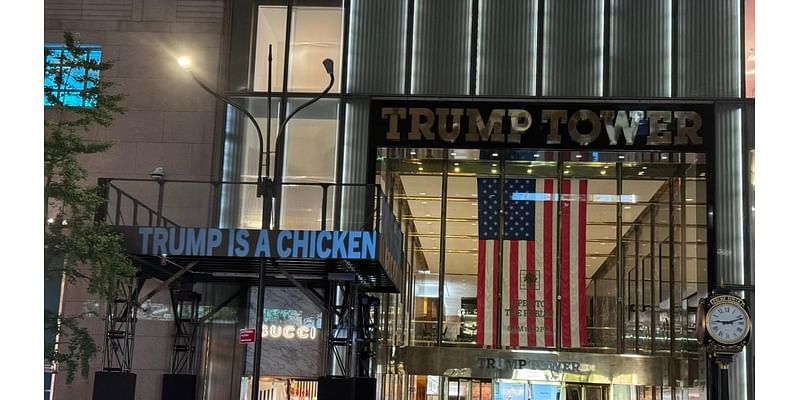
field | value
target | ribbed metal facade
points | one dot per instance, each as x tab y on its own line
588	48
728	217
640	48
572	54
441	55
506	64
377	60
708	48
355	162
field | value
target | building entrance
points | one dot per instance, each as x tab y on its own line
469	389
580	391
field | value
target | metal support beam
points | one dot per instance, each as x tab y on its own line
185	304
170	280
340	329
367	334
121	327
312	295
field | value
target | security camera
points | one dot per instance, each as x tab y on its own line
158	173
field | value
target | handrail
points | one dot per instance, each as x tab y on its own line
118	216
372	198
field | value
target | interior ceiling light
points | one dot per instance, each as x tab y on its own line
494	171
495	154
621	157
530	171
453	153
420	168
413	153
457	169
536	155
603	172
578	156
641	173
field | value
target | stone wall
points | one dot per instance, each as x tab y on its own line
170	122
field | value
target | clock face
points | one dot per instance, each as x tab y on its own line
727	323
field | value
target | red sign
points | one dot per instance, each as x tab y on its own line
247	335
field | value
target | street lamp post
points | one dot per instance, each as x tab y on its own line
266	187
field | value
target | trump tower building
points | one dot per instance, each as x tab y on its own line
508	199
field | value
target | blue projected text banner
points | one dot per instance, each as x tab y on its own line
157	241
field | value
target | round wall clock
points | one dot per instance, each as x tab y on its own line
727	323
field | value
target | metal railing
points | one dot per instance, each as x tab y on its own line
342	206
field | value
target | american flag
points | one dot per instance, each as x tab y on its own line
529	274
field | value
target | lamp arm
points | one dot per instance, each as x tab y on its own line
279	137
249	115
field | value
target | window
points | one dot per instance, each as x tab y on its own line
66	78
316	34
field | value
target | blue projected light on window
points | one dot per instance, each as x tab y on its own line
74	78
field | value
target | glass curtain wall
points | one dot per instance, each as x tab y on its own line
587	227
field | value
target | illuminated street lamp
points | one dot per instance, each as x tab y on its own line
265	186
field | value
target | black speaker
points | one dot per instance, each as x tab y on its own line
114	386
337	388
178	387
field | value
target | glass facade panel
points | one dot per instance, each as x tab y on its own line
413	179
316	35
271	31
310	157
587	278
241	208
462	258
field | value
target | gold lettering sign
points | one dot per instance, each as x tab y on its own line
584	139
483	132
658	127
554	118
507	125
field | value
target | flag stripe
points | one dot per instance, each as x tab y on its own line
513	296
582	260
482	297
530	294
574	261
539	254
548	266
566	332
495	269
505	333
